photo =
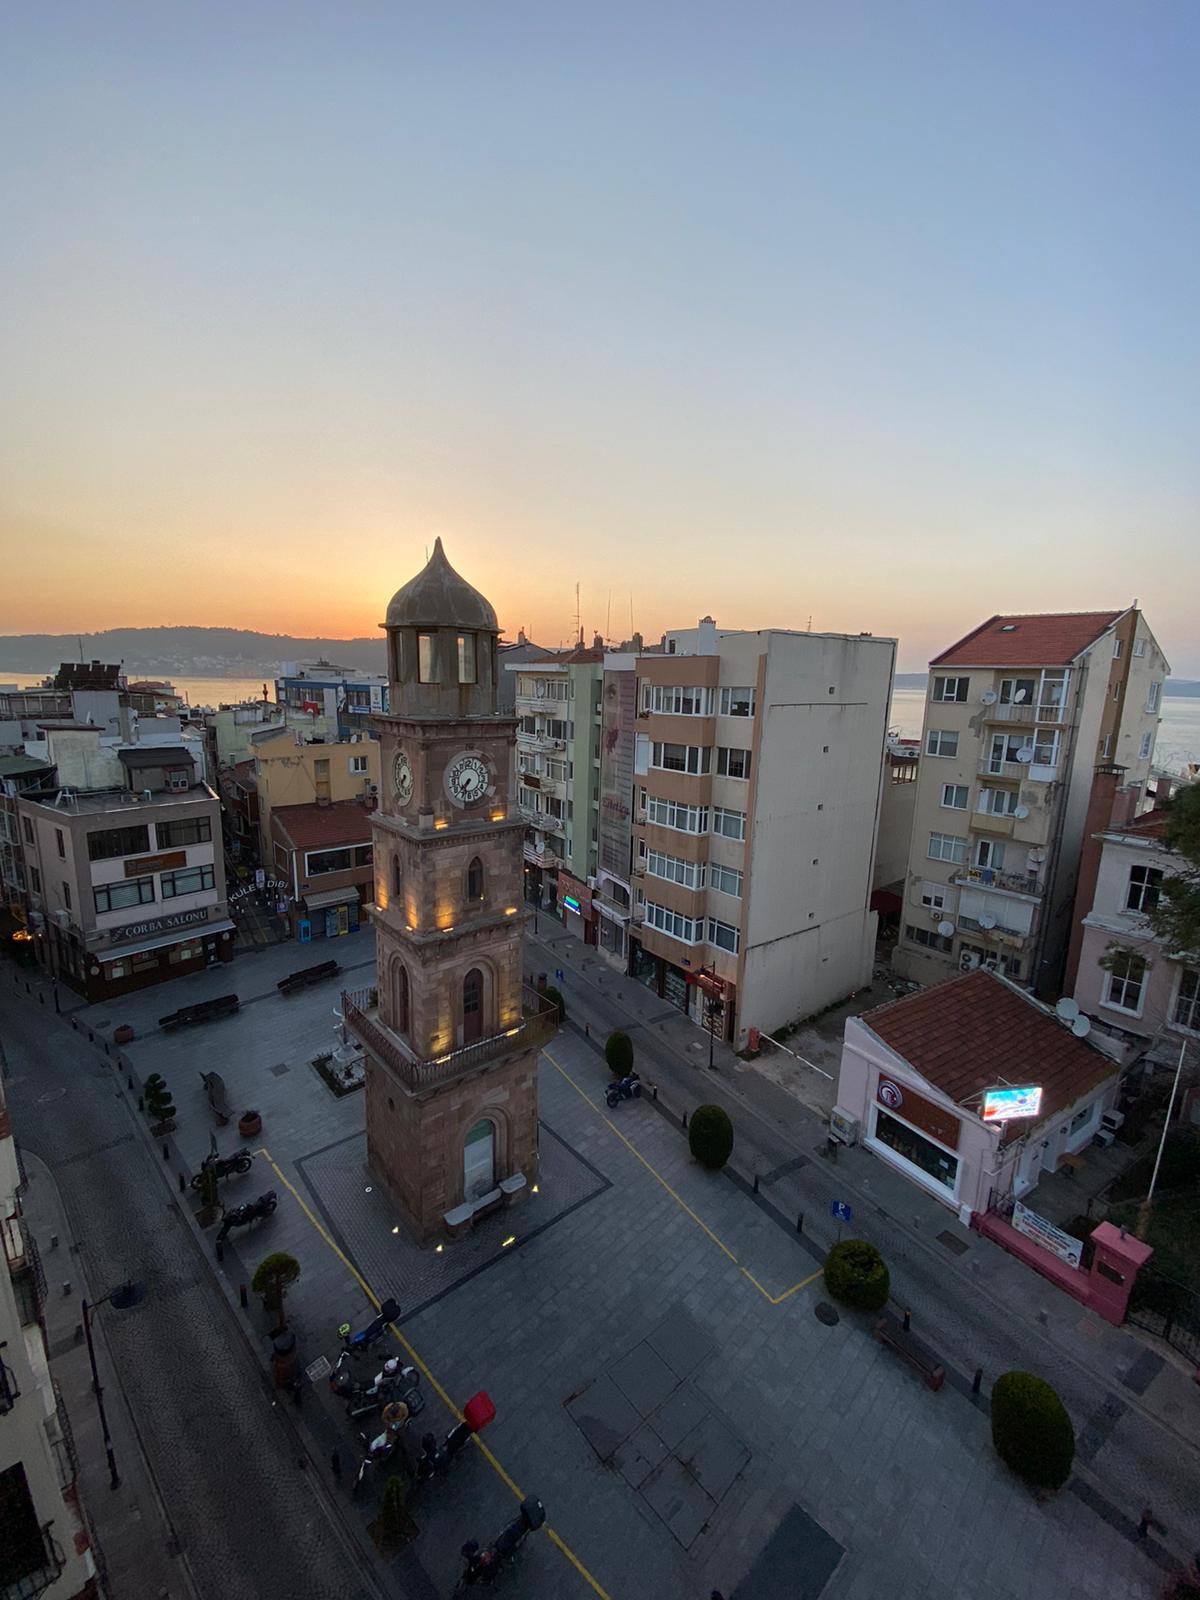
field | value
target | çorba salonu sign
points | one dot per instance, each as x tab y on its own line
139	930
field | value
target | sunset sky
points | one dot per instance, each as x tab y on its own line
883	314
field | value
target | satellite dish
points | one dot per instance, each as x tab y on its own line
990	698
945	929
1019	696
1081	1027
1067	1009
1025	754
1037	856
987	920
1021	812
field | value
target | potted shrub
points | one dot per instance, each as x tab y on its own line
250	1124
271	1279
209	1197
857	1275
394	1526
1031	1430
123	1034
160	1108
554	996
618	1053
710	1136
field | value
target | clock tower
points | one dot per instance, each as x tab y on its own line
450	1034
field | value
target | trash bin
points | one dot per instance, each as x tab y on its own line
285	1359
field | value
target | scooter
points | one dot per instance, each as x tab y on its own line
239	1161
486	1566
627	1088
382	1447
359	1343
394	1381
242	1216
435	1457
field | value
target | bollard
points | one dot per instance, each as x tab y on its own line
685	1119
54	1241
800	1222
756	1183
908	1322
66	1289
219	1248
587	1030
182	1184
141	1107
107	1051
335	1463
977	1380
243	1298
129	1080
41	998
166	1151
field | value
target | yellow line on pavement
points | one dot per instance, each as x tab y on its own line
774	1299
497	1467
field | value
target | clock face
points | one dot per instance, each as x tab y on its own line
468	779
402	778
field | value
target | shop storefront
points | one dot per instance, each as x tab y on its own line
913	1132
328	914
669	982
578	913
140	954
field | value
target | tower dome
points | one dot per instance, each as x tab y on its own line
439	597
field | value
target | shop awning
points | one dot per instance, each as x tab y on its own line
330	897
199	930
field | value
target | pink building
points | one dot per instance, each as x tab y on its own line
913	1075
1120	974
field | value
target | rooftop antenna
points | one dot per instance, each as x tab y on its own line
578	623
810	622
608	618
631	615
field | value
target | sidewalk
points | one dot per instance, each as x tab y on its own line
135	1543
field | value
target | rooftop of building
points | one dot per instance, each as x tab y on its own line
978	1030
155	755
314	827
439	597
1030	639
1150	825
22	766
122	802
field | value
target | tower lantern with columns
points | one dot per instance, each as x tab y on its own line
450	1034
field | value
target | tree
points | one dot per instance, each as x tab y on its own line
554	996
272	1278
618	1053
393	1513
1031	1430
1176	917
857	1275
710	1136
159	1105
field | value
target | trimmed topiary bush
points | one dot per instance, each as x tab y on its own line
618	1052
710	1136
554	996
857	1275
1031	1430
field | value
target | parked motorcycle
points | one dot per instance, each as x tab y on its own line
486	1566
382	1447
239	1161
435	1457
242	1216
359	1343
627	1088
393	1381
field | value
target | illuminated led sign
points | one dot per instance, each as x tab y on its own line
1005	1105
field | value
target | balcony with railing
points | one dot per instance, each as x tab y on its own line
31	1559
360	1009
1000	823
995	878
24	1270
1026	714
993	928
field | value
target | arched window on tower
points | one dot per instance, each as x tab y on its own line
400	998
466	658
473	1006
397	878
475	881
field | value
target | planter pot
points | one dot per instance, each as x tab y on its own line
123	1035
250	1124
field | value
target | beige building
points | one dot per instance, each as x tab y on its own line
44	1548
290	772
1017	717
756	776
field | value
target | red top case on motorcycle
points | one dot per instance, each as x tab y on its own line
478	1412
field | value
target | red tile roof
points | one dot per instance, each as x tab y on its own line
1045	639
1150	825
975	1031
312	827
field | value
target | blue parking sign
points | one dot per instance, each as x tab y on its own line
841	1210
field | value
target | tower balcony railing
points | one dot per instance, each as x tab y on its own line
360	1010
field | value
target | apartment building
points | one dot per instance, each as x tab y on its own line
19	774
127	885
289	770
1017	716
757	769
343	696
323	854
558	782
44	1544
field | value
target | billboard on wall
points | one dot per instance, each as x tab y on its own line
1063	1245
1007	1104
615	832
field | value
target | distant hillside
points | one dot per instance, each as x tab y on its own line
190	652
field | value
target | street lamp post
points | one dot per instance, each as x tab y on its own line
123	1297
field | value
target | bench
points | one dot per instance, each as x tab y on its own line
203	1011
306	976
466	1215
512	1189
892	1333
218	1096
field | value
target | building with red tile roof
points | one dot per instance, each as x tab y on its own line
1044	639
324	854
914	1075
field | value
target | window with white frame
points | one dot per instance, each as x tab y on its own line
737	702
999	802
947	847
732	762
1152	696
675	700
951	689
1045	748
1017	691
1118	646
1139	647
1145	889
527	798
680	757
674	814
990	853
1146	746
1186	1012
727	879
1106	747
941	742
724	935
732	824
929	938
688	930
933	896
358	764
955	796
1126	979
675	870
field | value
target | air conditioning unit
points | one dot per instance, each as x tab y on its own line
147	794
968	961
1112	1120
591	883
372	788
843	1127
